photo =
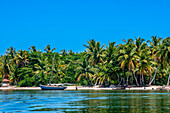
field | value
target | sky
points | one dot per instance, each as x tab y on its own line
68	24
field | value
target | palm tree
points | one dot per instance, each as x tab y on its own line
94	51
35	56
57	70
104	74
111	51
25	76
42	71
49	53
165	55
140	45
48	49
111	56
22	57
13	62
162	55
144	64
5	66
127	53
84	70
11	51
154	46
63	52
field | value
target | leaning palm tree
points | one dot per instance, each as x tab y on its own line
165	55
168	78
162	55
154	47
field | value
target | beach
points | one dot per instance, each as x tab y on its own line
89	88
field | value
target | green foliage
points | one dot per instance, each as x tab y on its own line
135	61
0	79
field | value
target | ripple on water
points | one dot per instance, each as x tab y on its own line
69	101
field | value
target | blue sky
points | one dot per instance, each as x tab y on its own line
68	24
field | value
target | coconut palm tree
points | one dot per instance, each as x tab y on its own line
12	53
63	53
84	70
127	53
48	49
58	70
165	55
110	52
5	66
95	52
22	57
154	46
140	45
42	72
162	55
104	74
13	62
144	65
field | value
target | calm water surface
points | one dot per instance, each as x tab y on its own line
85	101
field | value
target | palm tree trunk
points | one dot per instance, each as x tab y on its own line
135	78
127	79
87	77
154	75
140	79
118	77
143	80
150	76
132	80
168	80
123	81
120	81
95	83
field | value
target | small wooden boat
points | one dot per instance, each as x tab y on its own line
51	87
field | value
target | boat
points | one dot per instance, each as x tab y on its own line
51	86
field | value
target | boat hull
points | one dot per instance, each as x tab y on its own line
52	88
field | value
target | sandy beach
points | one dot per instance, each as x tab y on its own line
149	88
89	88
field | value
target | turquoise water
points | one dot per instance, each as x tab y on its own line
85	101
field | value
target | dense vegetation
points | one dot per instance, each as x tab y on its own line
136	62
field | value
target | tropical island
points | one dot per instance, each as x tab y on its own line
134	63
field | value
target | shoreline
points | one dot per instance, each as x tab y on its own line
89	88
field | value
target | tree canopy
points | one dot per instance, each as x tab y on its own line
136	62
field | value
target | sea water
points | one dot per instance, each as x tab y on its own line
85	101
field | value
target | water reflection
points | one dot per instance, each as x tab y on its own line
85	101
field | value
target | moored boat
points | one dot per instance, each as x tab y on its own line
50	87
